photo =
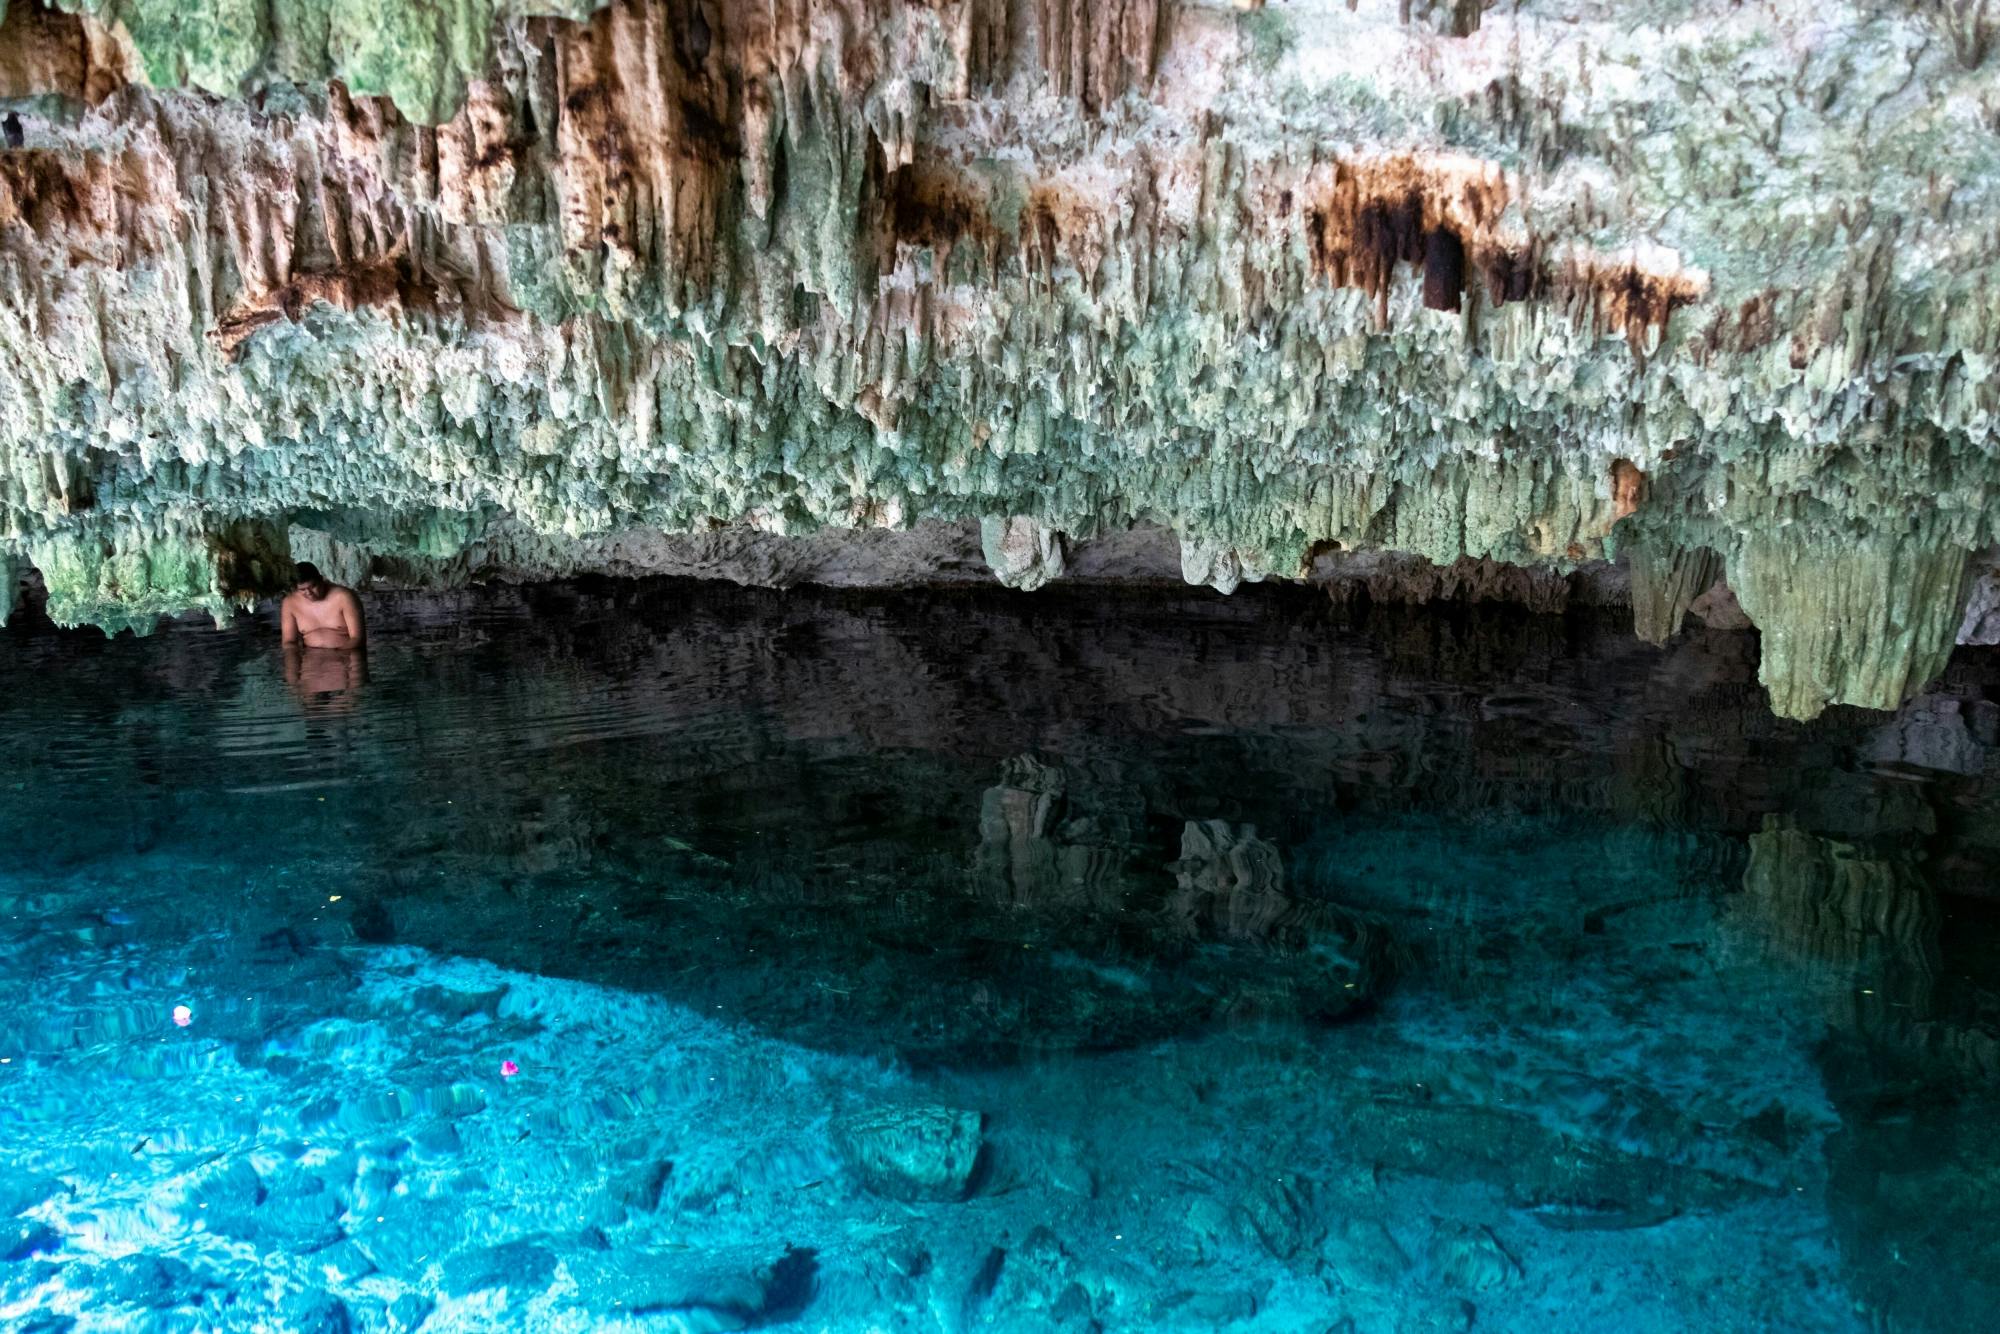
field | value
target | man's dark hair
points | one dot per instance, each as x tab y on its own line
306	575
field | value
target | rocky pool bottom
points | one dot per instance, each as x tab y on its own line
656	956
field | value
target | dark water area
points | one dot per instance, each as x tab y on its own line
665	956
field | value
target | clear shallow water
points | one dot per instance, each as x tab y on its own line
995	962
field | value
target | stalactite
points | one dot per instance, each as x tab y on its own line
1665	585
663	265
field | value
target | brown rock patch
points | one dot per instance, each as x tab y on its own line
1441	216
43	51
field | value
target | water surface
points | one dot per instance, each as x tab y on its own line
951	962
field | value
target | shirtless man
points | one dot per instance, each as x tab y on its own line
319	613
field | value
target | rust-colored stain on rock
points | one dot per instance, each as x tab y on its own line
1442	217
1438	216
925	204
1628	487
387	286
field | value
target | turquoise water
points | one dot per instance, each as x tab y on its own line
657	957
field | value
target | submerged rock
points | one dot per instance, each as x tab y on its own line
1278	1216
408	1312
1209	1310
912	1153
342	1262
637	1189
697	1291
213	1194
520	1266
1064	1165
1469	1256
297	1211
1538	1167
1037	1284
317	1312
1364	1254
152	1281
22	1191
26	1240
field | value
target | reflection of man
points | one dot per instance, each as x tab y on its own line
325	679
319	613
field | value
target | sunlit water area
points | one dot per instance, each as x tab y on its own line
653	956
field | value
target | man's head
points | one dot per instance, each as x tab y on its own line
307	579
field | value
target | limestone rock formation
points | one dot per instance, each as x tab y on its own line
911	1153
1711	287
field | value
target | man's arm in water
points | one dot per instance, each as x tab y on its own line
288	624
350	616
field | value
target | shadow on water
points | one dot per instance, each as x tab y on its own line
967	831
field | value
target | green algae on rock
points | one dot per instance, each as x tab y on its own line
1287	281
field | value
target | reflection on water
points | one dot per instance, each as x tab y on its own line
325	680
982	962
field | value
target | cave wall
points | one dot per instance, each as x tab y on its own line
1708	288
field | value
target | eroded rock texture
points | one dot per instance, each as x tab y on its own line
1707	285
